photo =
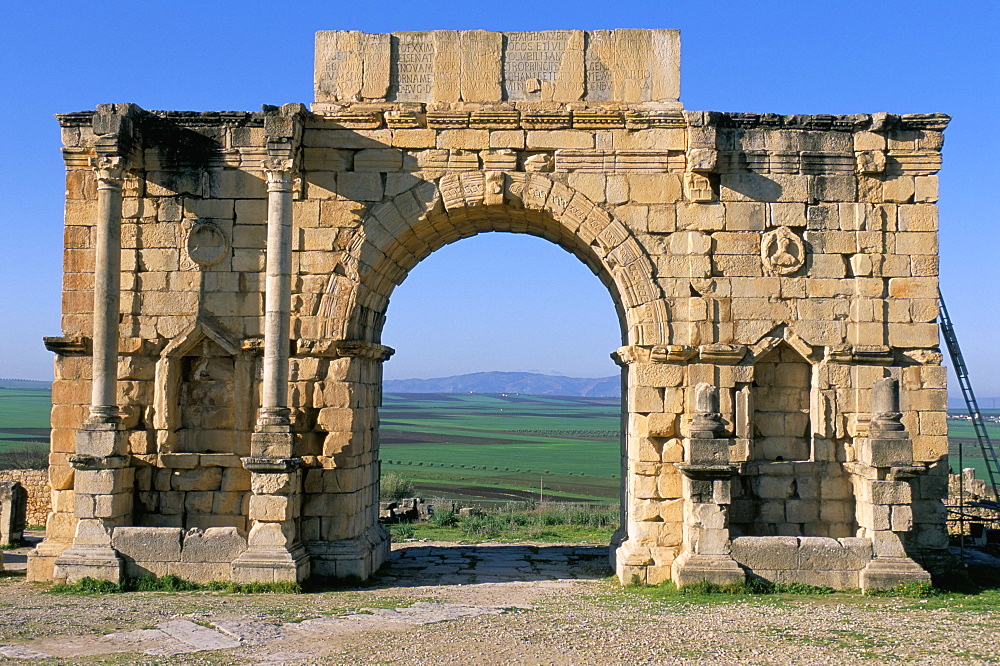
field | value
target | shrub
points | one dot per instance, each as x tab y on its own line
444	518
394	487
401	532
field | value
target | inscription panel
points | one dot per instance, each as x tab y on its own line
531	58
411	75
565	66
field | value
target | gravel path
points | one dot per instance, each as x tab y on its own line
509	604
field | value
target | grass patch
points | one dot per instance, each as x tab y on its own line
169	583
519	521
908	591
401	532
749	587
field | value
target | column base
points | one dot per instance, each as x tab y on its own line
277	565
355	559
79	562
42	559
691	568
884	573
630	562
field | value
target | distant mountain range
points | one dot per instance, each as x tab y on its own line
530	383
25	384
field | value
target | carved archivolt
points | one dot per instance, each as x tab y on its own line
399	232
782	252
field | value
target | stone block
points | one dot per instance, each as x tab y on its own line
888	492
148	544
359	186
758	553
215	544
268	536
661	425
656	188
271	508
801	511
281	483
880	452
822	554
202	479
707	451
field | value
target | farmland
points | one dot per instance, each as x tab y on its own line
962	432
465	446
503	446
24	418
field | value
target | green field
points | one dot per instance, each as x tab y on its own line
24	418
501	446
962	432
467	446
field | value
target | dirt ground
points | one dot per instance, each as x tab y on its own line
487	604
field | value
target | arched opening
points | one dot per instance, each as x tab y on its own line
508	321
346	325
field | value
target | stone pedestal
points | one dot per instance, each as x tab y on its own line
707	495
274	553
352	559
103	500
884	573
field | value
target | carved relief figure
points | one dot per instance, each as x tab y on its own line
782	252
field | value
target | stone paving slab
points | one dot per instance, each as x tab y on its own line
410	566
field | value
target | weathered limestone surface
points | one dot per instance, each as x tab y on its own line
13	512
36	484
775	278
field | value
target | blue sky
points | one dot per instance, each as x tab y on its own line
523	304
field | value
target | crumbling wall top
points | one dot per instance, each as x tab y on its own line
478	66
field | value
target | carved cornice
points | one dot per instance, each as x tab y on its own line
324	348
68	345
860	354
271	465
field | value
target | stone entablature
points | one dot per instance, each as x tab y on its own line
768	272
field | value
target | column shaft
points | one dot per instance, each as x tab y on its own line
278	298
107	282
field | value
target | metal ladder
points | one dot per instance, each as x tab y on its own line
985	445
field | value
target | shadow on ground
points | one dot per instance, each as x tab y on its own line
419	564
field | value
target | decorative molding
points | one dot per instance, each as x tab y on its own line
672	353
722	354
860	354
68	345
326	348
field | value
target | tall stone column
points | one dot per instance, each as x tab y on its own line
707	491
275	553
103	481
277	296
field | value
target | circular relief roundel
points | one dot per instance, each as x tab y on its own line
207	244
782	252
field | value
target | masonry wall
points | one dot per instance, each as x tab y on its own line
719	236
36	483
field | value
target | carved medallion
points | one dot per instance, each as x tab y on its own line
207	245
782	252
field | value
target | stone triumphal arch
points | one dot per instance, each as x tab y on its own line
227	276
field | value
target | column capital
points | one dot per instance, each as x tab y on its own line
110	170
280	173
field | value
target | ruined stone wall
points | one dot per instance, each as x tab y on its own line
788	261
36	483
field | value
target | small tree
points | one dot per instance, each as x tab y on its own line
394	487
